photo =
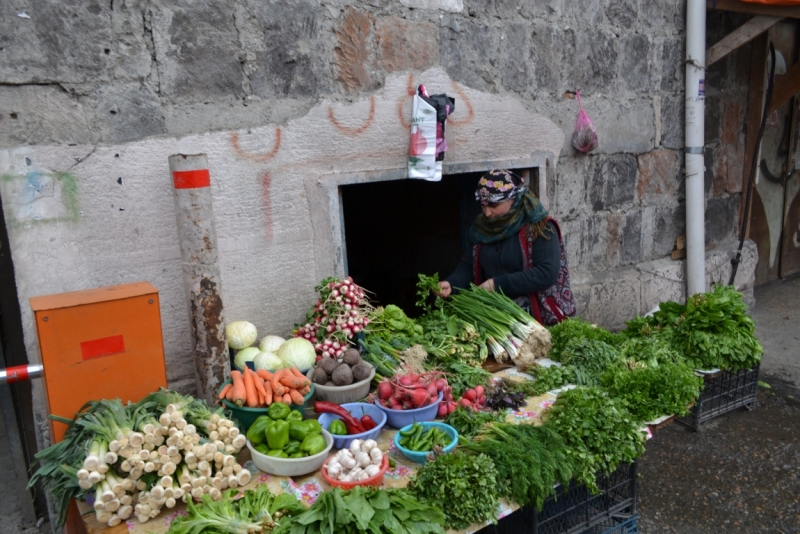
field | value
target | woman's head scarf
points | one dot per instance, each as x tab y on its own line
498	185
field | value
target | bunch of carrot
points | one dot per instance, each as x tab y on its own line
255	389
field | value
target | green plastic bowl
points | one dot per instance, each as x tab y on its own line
247	416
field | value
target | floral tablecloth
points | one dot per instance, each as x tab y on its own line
307	488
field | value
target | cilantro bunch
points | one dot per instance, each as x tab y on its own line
464	486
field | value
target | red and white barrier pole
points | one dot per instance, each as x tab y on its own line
9	375
199	254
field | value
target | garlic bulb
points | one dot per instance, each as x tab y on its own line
372	470
334	469
344	453
354	474
361	475
368	445
355	446
376	456
348	462
363	459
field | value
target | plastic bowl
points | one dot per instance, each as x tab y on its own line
422	456
401	418
247	416
291	467
343	394
355	408
375	481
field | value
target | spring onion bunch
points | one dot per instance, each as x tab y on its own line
139	458
512	333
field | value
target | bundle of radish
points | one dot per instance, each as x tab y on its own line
411	390
339	314
139	458
341	371
513	334
256	389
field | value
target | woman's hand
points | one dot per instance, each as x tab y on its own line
444	289
488	285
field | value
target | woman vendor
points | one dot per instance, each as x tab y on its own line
515	248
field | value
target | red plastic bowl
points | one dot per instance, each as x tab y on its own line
375	481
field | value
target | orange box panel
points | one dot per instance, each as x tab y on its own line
100	343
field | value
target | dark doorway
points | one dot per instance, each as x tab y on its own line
397	229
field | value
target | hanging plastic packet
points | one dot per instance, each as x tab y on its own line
428	143
584	138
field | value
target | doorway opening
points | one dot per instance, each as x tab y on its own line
396	229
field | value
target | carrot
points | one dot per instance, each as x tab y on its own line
305	390
225	390
291	382
277	387
250	389
238	392
259	382
260	399
296	397
263	373
298	374
267	392
287	398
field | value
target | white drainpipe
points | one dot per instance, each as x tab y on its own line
695	127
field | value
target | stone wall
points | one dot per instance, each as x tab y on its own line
286	97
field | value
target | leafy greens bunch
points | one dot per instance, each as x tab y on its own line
598	430
529	460
464	486
589	357
575	327
365	509
469	422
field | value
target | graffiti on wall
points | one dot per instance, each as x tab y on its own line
39	196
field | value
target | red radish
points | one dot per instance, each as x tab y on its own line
470	395
420	398
432	391
414	378
384	390
479	390
451	407
442	411
406	381
440	384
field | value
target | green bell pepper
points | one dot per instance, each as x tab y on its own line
298	455
313	444
338	427
277	435
294	415
298	430
256	431
313	426
277	454
262	448
278	410
292	447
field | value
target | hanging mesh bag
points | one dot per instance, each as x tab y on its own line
584	138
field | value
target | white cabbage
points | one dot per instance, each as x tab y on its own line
298	352
271	343
268	361
240	334
245	355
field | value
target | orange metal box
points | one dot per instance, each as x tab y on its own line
102	343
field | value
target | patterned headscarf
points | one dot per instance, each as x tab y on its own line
498	185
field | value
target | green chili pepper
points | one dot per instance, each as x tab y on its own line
256	431
410	431
313	444
277	435
278	410
338	427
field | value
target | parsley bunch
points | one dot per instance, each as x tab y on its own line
590	357
464	486
575	327
598	430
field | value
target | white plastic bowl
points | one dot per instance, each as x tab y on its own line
343	394
291	467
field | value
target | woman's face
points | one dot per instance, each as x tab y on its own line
496	209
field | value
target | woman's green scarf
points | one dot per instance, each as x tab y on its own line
526	210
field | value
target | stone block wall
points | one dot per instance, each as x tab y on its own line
285	94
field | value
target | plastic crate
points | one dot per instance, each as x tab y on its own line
575	510
723	392
617	525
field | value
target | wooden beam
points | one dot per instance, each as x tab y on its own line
755	106
785	88
741	35
754	9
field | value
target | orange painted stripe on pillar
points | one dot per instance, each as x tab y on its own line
106	346
191	179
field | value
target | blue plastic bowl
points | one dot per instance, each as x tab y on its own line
422	456
401	418
355	408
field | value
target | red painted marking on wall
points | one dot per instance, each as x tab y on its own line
191	179
410	89
350	131
467	103
266	201
97	348
259	158
401	103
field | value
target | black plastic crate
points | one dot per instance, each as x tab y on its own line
617	525
723	392
575	509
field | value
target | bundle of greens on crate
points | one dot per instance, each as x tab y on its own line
136	459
